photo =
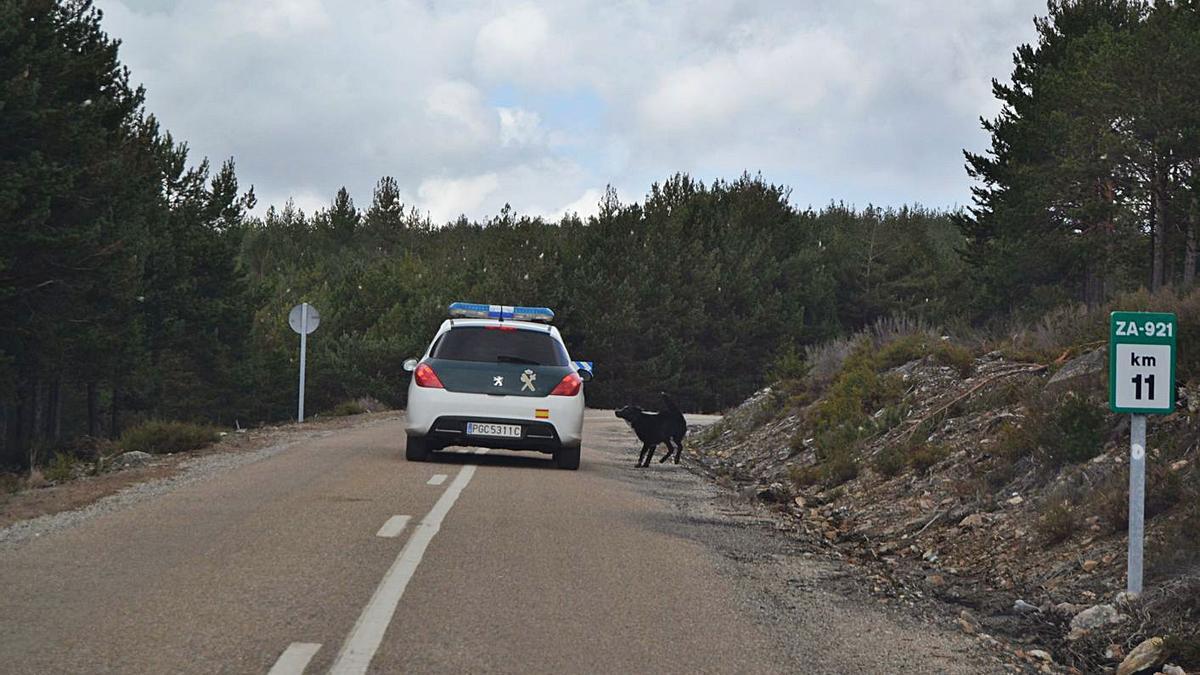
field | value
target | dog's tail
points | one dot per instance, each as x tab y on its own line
669	403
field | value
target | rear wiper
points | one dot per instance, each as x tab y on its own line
505	358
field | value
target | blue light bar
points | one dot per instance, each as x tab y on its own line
471	310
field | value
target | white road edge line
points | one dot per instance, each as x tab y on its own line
393	527
294	659
437	479
362	643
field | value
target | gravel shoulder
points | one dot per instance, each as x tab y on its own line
34	513
801	593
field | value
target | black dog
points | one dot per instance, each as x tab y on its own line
653	428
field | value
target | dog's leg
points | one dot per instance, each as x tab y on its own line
678	449
670	449
650	448
643	460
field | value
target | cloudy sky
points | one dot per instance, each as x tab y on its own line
474	104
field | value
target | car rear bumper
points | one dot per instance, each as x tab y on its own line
547	423
452	430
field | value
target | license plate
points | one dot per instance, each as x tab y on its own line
489	429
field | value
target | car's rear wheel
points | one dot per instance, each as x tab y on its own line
416	449
567	458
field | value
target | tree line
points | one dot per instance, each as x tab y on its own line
1092	180
138	283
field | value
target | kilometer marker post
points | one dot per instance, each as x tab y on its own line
1141	382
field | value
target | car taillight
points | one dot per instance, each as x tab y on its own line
569	386
425	377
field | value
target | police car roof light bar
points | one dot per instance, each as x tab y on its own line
470	310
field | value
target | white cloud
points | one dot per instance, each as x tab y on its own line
588	204
790	78
273	18
514	44
459	112
447	198
519	127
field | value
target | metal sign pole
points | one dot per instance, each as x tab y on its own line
303	354
1137	500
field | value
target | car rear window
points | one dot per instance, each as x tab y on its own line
496	345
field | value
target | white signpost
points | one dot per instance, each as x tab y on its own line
303	319
1141	381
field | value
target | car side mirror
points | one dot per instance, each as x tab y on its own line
410	365
585	374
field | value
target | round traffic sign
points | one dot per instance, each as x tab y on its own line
296	318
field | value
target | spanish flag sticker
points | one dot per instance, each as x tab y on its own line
542	413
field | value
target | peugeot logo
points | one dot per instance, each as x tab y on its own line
498	381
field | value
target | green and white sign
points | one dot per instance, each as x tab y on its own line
1141	362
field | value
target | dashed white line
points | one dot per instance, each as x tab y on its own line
393	527
294	659
437	479
360	647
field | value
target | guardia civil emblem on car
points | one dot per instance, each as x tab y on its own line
527	379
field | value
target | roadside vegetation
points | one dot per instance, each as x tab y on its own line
998	446
157	437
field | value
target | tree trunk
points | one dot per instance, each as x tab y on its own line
6	440
1189	253
1093	287
93	409
37	421
1158	223
54	410
113	430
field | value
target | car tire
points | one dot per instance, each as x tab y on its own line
416	449
567	458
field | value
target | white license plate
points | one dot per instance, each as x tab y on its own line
489	429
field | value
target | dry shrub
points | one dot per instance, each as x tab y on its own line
824	361
346	408
890	461
157	437
1058	521
924	456
839	468
804	476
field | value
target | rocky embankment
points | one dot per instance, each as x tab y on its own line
939	502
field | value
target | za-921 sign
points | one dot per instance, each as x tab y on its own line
1141	362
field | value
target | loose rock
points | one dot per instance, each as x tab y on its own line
1022	607
128	460
1093	617
1143	656
967	623
973	520
1081	366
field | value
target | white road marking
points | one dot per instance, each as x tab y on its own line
393	527
294	659
360	647
437	479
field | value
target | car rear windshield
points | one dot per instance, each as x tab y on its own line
497	345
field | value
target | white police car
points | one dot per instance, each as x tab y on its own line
497	376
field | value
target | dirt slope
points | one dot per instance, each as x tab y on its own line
943	499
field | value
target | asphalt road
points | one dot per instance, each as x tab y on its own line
337	555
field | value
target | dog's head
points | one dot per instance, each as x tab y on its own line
629	413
